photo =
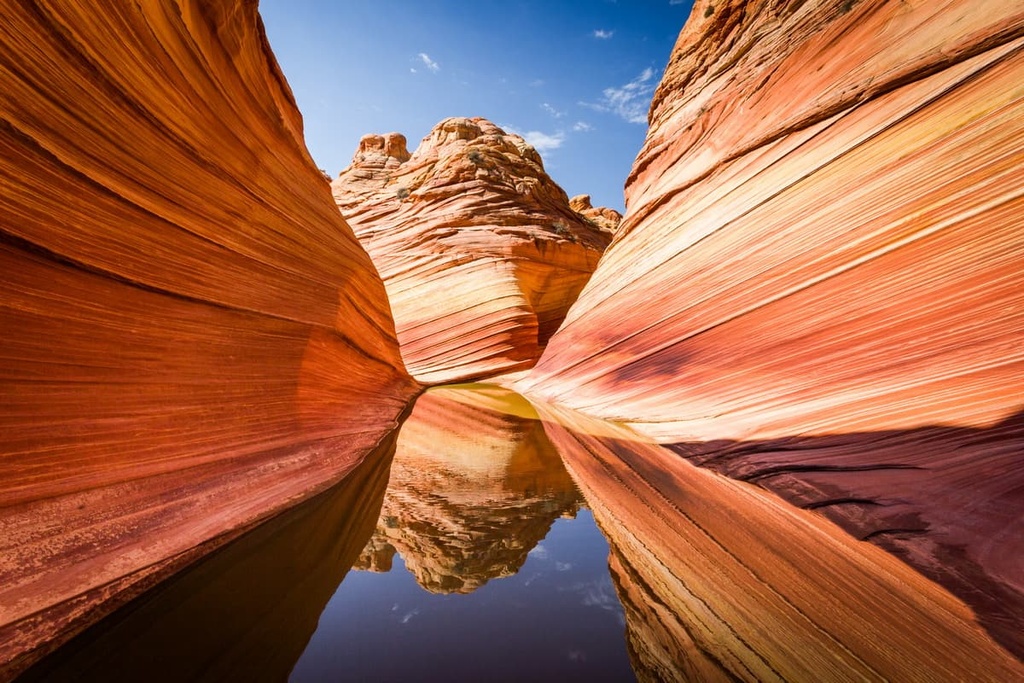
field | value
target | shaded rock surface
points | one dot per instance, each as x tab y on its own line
247	612
479	249
193	338
474	487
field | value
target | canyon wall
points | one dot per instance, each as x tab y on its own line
824	229
817	285
479	249
193	337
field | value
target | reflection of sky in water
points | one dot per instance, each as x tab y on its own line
557	619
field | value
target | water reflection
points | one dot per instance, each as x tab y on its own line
244	613
721	580
472	491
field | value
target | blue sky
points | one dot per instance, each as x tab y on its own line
574	78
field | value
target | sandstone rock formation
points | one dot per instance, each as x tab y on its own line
480	252
193	338
245	613
824	229
723	581
474	487
817	283
601	216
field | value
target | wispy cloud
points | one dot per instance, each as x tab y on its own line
676	2
536	83
542	142
629	101
428	62
582	127
551	110
601	34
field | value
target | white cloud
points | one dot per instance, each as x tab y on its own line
676	2
412	70
542	142
536	83
582	127
629	101
601	34
428	62
551	110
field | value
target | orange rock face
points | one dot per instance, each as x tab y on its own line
824	229
479	250
193	338
601	216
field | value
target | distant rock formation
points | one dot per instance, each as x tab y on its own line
601	216
479	249
193	339
472	491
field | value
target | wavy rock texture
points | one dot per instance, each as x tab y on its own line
480	252
817	285
723	581
600	216
474	487
824	229
193	338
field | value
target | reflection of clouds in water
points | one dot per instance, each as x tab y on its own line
408	616
577	656
539	551
600	594
563	566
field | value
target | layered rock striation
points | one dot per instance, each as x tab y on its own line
193	338
479	249
722	581
823	229
817	283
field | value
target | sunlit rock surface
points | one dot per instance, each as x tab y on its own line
723	581
192	337
475	485
480	252
600	216
817	285
824	229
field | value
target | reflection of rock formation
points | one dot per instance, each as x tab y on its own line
247	612
472	491
192	337
824	230
723	581
478	247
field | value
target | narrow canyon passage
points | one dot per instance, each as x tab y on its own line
486	529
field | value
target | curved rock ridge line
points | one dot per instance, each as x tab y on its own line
193	338
721	580
824	229
479	249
